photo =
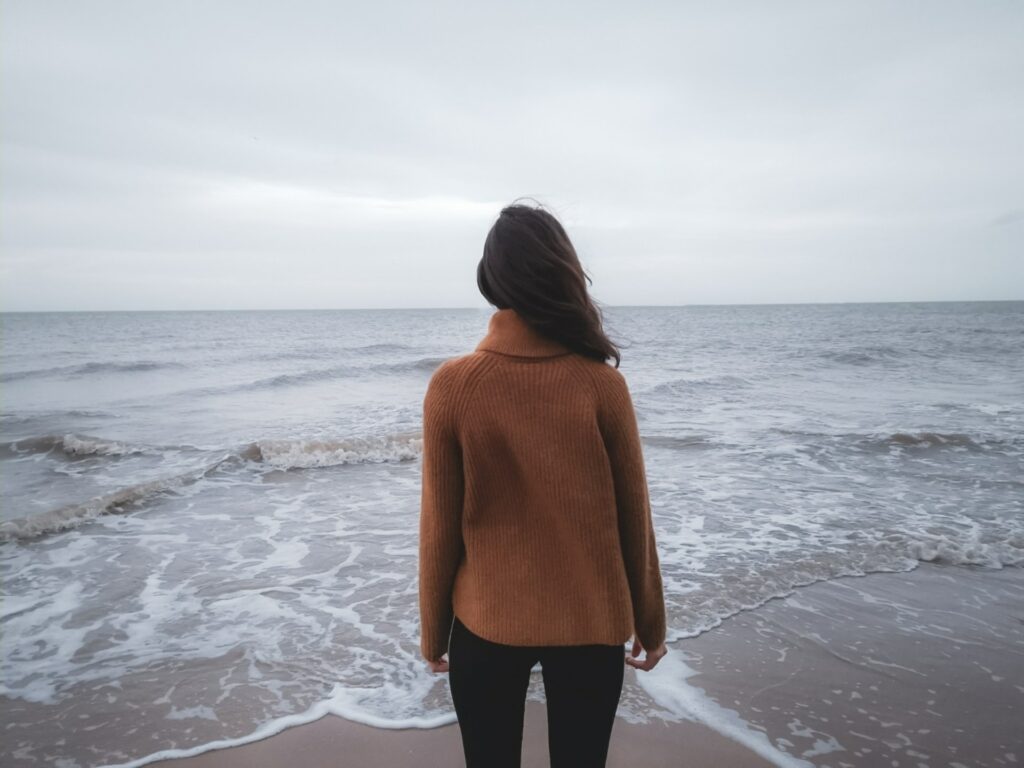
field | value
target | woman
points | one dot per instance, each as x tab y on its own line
536	539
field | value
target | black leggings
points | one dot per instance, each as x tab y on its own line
488	681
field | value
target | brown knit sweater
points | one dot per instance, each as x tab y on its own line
535	520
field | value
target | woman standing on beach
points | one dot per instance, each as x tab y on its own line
536	539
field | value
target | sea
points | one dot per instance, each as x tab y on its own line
208	519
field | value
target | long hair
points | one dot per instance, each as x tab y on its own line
530	265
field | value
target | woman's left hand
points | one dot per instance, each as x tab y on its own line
438	665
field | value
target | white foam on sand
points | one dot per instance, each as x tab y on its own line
667	685
346	702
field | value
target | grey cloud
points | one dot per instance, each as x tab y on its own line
323	154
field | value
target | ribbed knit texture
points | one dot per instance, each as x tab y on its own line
535	520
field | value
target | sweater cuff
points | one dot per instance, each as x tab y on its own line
650	637
434	642
649	620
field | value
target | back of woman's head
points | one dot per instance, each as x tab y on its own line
530	265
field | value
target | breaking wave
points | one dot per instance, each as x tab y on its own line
305	454
277	454
71	515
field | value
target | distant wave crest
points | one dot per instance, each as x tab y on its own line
314	375
921	441
691	385
71	444
87	369
426	364
934	440
679	442
863	355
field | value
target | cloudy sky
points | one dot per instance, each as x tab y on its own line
186	155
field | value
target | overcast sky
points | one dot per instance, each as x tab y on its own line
189	155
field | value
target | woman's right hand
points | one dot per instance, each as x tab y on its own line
650	658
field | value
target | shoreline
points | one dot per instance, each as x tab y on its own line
914	665
334	741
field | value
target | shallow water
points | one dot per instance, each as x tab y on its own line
210	517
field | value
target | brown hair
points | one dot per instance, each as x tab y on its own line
530	265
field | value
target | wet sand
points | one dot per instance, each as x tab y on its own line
918	669
333	741
924	668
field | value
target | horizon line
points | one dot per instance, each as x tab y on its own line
600	304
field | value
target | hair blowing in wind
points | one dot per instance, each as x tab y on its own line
529	264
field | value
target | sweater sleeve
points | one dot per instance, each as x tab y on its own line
440	529
636	527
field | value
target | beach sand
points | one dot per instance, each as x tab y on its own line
923	668
333	741
918	668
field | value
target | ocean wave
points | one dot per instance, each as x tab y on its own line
383	347
862	355
87	369
426	364
966	551
72	515
307	454
273	382
921	441
289	379
314	375
8	420
935	440
988	409
71	444
689	385
325	352
286	354
278	454
295	453
680	442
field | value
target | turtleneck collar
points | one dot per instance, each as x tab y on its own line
510	334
